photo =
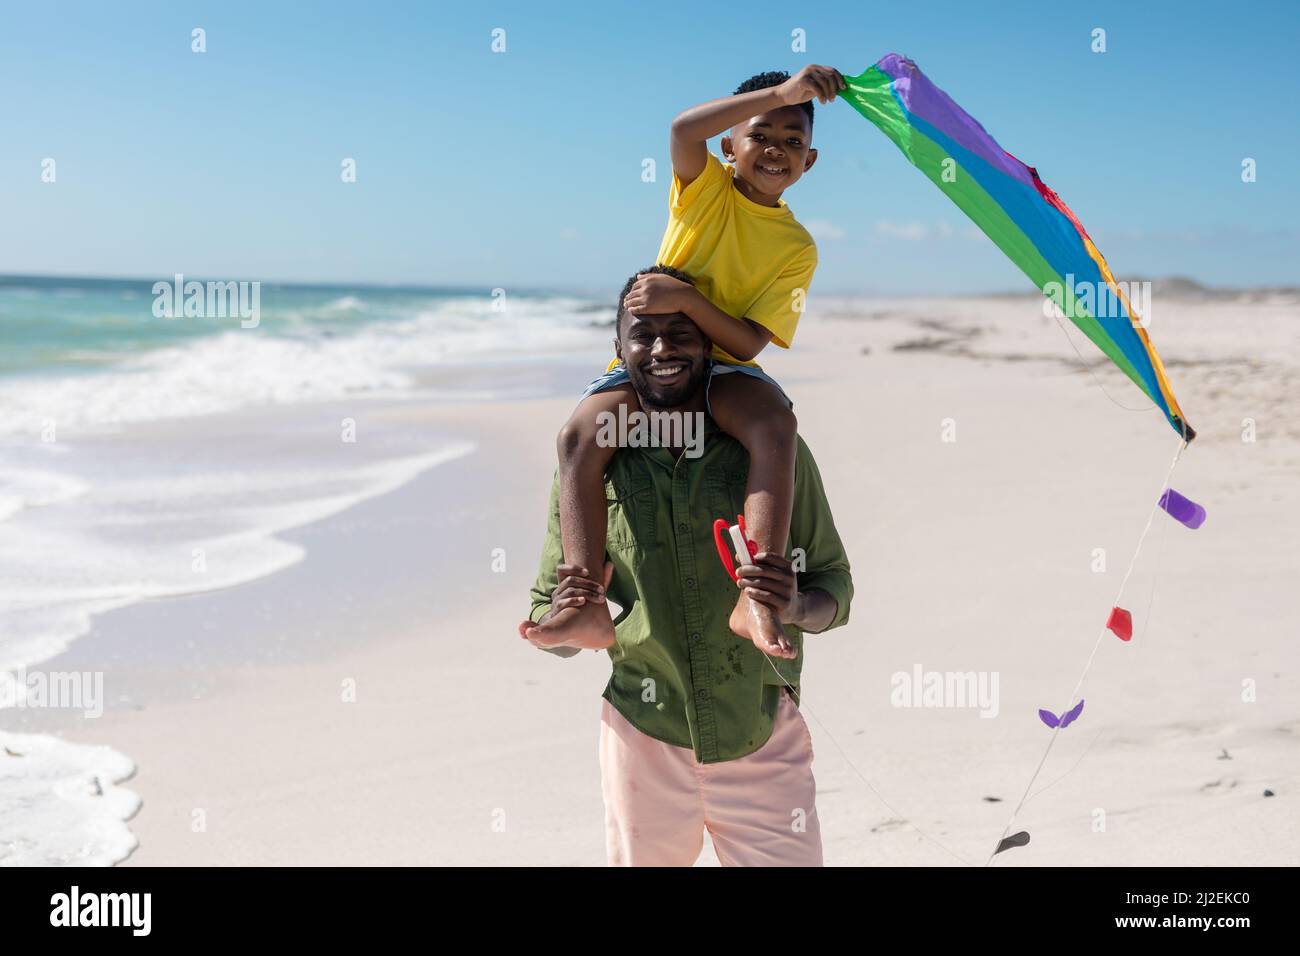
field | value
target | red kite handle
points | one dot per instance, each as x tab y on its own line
721	540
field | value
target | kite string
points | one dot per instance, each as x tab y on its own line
1087	667
1139	640
1083	363
1182	444
861	776
1074	766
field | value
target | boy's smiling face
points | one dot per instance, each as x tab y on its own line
770	152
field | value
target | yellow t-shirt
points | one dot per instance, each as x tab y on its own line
745	258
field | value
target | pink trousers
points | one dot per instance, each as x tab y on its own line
760	810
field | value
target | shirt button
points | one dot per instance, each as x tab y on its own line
690	582
702	694
695	635
683	527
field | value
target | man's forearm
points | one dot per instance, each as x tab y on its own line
701	123
817	610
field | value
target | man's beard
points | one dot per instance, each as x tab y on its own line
652	393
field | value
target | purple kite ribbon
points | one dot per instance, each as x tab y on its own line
1183	510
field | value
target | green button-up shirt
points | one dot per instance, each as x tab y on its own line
680	674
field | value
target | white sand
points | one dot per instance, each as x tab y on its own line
974	555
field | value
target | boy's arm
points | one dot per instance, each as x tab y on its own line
656	294
743	338
775	311
694	127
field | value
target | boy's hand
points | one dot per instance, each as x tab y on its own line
822	82
657	294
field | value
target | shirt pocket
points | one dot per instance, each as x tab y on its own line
630	514
725	493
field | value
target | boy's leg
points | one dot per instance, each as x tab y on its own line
757	415
583	514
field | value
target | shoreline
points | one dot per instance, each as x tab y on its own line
300	689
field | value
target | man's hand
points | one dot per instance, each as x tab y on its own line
770	580
574	590
822	82
656	294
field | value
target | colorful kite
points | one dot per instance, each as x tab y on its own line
1037	231
1013	207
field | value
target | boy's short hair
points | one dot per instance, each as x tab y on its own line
627	287
763	81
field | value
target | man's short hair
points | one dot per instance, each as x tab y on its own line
763	81
621	313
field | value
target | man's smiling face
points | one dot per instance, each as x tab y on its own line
770	152
666	357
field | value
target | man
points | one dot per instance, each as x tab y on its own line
700	729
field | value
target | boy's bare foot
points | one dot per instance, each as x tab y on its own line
587	625
760	624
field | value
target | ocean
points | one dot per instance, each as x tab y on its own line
145	457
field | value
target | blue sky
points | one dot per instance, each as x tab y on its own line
524	168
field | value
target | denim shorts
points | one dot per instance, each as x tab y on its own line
618	376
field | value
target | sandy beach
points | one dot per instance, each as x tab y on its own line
372	703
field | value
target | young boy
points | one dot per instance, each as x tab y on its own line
751	263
